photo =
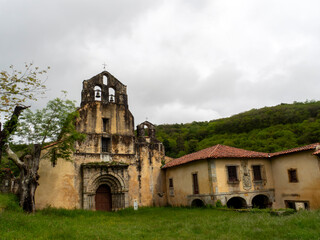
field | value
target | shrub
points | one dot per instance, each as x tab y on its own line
219	204
9	202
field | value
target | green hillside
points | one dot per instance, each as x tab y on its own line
268	129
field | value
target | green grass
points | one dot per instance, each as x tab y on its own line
156	223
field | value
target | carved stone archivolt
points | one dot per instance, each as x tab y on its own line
115	176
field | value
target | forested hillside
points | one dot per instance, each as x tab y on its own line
268	129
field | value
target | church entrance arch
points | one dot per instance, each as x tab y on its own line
103	199
105	187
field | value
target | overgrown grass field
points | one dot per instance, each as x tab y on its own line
154	223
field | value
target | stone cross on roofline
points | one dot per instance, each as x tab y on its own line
104	66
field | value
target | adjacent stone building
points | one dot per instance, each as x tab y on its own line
239	178
112	168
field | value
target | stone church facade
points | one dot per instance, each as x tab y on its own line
113	168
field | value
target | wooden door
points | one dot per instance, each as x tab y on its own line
103	198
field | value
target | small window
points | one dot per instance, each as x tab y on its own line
105	78
293	176
232	174
195	183
297	205
105	125
105	144
257	173
171	190
170	183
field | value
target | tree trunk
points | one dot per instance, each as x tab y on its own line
9	127
28	166
29	180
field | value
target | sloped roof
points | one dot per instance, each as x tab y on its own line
216	151
222	151
298	149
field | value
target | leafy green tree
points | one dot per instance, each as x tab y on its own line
56	124
16	87
268	129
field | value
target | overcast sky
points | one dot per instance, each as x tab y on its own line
182	61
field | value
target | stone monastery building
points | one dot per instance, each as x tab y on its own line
115	168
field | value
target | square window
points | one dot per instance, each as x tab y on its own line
232	174
257	173
293	176
170	183
105	144
105	124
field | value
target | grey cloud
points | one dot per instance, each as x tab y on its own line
181	60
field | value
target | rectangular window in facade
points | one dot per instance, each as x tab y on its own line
297	205
170	183
256	173
105	124
293	176
232	174
171	189
105	144
195	183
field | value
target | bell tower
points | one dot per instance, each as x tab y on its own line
105	117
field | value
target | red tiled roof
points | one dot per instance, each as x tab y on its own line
298	149
317	152
217	151
222	151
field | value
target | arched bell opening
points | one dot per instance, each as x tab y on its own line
112	95
260	201
97	93
237	203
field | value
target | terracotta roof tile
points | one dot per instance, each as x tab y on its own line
317	152
222	151
217	151
298	149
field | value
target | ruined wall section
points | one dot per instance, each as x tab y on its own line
147	170
88	93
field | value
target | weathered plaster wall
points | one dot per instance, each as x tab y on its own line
246	188
213	181
182	181
119	129
308	171
151	185
57	185
222	185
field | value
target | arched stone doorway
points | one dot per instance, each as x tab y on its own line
103	199
237	203
197	203
105	187
260	201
